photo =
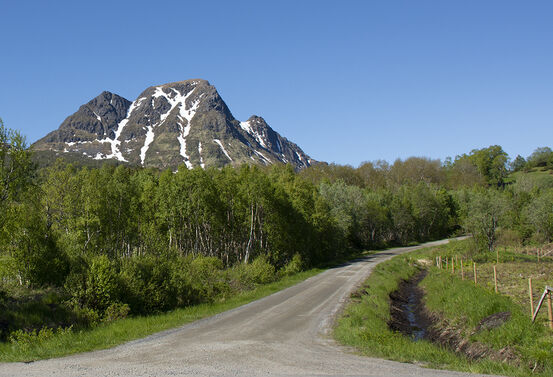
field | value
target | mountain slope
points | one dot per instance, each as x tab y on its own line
185	122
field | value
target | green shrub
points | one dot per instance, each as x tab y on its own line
86	317
148	284
187	293
260	271
26	339
208	277
116	311
95	284
239	278
293	267
246	276
102	283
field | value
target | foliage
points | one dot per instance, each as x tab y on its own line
483	212
16	168
205	275
487	165
540	214
541	157
116	311
148	285
518	163
347	205
293	267
364	323
120	241
261	271
117	332
25	340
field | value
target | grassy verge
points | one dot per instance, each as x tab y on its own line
514	265
49	345
364	323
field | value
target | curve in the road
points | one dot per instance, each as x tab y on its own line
285	334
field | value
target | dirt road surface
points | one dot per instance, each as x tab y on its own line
285	334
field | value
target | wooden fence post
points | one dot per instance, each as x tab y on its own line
475	278
549	312
495	278
546	292
531	296
452	265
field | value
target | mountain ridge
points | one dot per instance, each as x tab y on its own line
183	122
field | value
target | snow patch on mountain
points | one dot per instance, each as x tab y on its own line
149	138
184	131
176	98
97	116
200	153
115	143
222	147
265	159
246	126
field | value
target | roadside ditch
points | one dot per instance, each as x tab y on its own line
410	317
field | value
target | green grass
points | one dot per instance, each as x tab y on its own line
364	324
464	305
514	265
121	331
539	177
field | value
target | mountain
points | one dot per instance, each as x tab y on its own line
184	122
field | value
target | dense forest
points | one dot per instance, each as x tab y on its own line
115	241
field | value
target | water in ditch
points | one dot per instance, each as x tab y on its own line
405	309
417	331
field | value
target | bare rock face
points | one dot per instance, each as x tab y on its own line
94	120
185	122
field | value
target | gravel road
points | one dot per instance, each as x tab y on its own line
285	334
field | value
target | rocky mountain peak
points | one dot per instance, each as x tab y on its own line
184	122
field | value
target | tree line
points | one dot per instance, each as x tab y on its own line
119	240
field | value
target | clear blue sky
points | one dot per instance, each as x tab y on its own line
348	81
